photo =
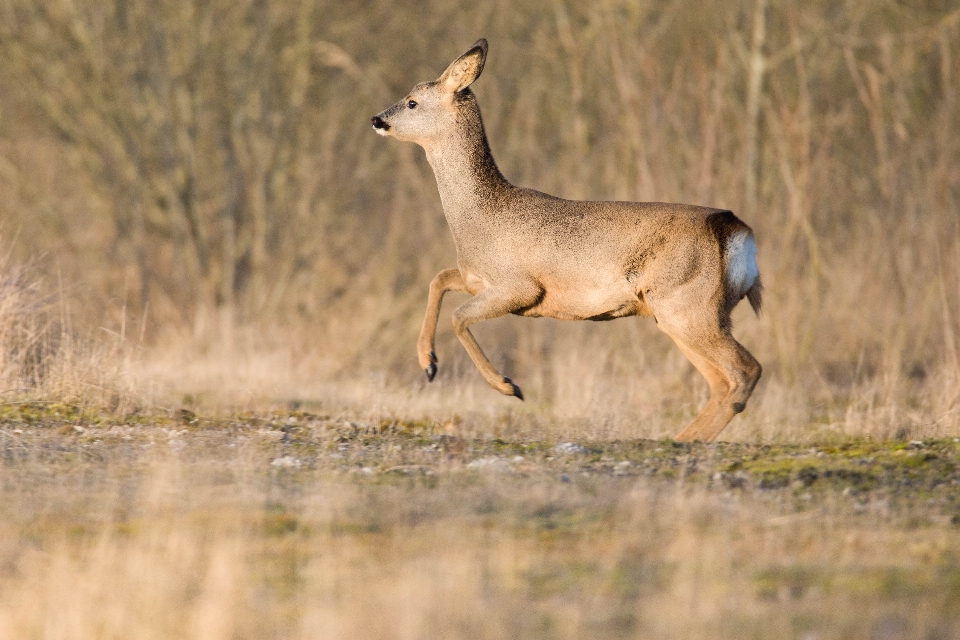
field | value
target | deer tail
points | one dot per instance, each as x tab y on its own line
743	275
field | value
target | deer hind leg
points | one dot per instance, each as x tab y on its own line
731	371
486	305
719	389
446	280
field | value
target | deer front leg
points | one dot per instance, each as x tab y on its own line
486	305
446	280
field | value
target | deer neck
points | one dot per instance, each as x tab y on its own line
470	184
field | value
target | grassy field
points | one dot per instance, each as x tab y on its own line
302	525
213	273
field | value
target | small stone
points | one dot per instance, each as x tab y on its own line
569	448
622	468
286	462
487	463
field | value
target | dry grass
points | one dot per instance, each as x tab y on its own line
45	353
213	194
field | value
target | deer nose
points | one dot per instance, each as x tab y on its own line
378	123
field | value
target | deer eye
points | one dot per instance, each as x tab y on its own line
412	104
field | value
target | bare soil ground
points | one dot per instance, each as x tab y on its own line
299	525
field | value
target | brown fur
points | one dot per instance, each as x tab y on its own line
528	253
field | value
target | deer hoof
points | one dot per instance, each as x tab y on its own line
431	371
515	390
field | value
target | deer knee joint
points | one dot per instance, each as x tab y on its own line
459	322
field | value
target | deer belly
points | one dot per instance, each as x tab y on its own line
588	304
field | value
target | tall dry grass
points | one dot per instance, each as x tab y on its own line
46	354
206	171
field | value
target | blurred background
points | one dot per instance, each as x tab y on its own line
195	212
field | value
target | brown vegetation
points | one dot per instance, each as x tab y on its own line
202	180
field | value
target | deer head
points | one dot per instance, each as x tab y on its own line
432	109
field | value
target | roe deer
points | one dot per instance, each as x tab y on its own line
528	253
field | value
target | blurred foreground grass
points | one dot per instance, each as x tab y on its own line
296	525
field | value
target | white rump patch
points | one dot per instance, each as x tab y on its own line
742	269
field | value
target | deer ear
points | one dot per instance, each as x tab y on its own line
464	70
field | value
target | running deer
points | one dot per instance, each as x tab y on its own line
531	254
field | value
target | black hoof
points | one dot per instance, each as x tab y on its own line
431	371
516	390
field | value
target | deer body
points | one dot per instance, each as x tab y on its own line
525	252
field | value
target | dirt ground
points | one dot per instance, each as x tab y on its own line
295	525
